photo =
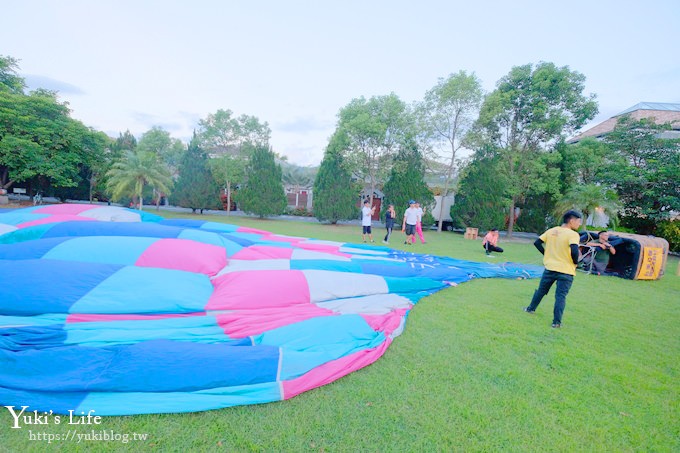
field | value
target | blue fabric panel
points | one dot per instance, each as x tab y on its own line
29	250
98	249
182	223
153	230
239	240
325	265
250	237
47	286
313	342
33	337
198	329
147	290
27	234
157	366
412	285
37	320
221	227
147	216
18	217
208	237
58	403
175	402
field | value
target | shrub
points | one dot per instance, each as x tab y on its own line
670	231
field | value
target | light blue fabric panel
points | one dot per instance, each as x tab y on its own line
101	249
197	329
38	320
313	342
207	237
175	402
147	290
412	285
221	227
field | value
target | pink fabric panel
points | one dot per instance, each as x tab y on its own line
251	230
263	252
53	219
243	323
330	371
258	289
332	249
106	318
184	255
386	323
65	209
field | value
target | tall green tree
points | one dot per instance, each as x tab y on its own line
644	169
40	142
335	194
158	141
481	201
587	198
129	176
195	187
446	114
221	132
263	194
374	129
226	170
531	109
406	180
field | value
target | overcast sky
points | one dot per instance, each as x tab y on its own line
134	64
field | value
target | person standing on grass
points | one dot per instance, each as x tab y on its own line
419	225
490	242
366	214
390	216
411	219
560	255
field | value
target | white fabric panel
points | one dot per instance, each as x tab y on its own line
300	254
378	304
112	214
328	285
398	331
4	228
252	265
356	251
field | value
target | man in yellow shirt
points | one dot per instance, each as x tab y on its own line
560	256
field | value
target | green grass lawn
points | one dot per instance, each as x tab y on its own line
471	372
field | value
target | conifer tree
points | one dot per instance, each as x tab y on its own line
334	192
406	181
262	194
196	188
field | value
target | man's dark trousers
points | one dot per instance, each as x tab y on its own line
564	282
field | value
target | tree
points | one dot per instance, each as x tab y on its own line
374	130
406	180
262	194
334	191
531	110
221	133
195	188
159	142
226	169
587	198
481	200
136	170
40	142
10	81
644	169
446	114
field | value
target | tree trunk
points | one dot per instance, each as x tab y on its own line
511	218
228	197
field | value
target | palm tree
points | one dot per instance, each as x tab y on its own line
136	170
587	198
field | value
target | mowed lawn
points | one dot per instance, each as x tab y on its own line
471	372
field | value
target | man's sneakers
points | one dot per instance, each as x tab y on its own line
556	325
529	310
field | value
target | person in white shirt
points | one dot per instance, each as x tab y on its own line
419	225
366	214
411	219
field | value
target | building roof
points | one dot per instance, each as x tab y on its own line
662	112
